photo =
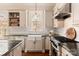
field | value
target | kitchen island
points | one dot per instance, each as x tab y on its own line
64	46
70	49
10	47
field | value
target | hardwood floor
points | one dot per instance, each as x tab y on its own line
35	53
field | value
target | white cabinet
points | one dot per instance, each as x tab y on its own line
36	22
29	45
75	13
33	44
38	45
65	52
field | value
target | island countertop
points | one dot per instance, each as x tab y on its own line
72	48
7	46
70	45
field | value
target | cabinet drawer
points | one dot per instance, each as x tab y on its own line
38	45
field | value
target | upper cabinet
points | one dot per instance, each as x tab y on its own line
75	13
36	21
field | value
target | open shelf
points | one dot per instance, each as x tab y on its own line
14	19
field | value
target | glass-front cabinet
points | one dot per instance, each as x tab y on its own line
36	21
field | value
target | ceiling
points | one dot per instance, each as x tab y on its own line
27	6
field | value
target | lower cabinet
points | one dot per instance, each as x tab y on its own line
29	45
33	44
38	45
65	52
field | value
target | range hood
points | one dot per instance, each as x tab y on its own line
63	16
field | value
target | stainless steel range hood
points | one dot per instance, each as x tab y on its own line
63	15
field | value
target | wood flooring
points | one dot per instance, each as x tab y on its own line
35	53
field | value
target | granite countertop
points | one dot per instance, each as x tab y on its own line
17	35
26	35
8	45
72	48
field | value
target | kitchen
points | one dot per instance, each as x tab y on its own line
39	29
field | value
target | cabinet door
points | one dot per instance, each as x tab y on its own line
29	45
38	44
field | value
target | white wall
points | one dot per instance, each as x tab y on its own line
69	23
48	19
3	22
23	18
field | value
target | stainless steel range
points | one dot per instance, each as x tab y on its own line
55	47
56	43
